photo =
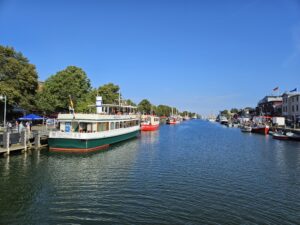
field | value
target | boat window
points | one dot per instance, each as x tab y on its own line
121	125
103	126
112	125
89	127
75	126
117	125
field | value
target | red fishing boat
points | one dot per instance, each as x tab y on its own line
172	120
260	124
149	123
260	129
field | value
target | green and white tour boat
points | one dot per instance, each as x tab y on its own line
90	132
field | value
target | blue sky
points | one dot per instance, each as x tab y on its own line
200	56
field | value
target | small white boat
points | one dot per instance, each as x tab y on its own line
223	120
246	129
293	136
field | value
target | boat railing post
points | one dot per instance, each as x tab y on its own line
24	139
37	140
6	141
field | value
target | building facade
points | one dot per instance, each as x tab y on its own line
269	106
291	106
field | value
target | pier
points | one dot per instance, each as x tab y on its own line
23	141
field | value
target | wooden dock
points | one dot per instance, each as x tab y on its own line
23	142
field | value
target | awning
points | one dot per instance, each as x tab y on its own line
31	117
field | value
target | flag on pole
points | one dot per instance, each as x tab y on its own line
276	89
71	107
294	90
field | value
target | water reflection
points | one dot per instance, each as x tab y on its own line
151	137
195	172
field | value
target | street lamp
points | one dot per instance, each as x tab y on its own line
3	97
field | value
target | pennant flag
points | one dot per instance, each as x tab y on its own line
276	89
293	90
71	106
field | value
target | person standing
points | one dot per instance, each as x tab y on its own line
9	126
21	127
17	126
27	126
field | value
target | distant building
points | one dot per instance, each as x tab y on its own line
291	106
270	106
247	112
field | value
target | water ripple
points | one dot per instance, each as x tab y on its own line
194	173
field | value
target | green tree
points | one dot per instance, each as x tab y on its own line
109	93
225	113
234	110
18	79
144	106
163	110
86	104
71	81
130	102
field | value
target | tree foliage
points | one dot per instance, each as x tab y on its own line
109	93
130	102
145	106
163	110
234	110
18	78
71	81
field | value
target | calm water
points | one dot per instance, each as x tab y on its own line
193	173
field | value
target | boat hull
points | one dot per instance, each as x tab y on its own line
149	127
280	137
246	129
260	130
87	145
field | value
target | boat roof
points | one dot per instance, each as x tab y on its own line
94	117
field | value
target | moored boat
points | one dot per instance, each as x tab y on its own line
260	129
172	120
149	123
223	120
246	129
293	136
280	136
91	132
271	132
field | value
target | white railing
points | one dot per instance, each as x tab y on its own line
95	135
82	116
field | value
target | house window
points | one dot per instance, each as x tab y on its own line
297	108
292	108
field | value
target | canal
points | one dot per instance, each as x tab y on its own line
192	173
